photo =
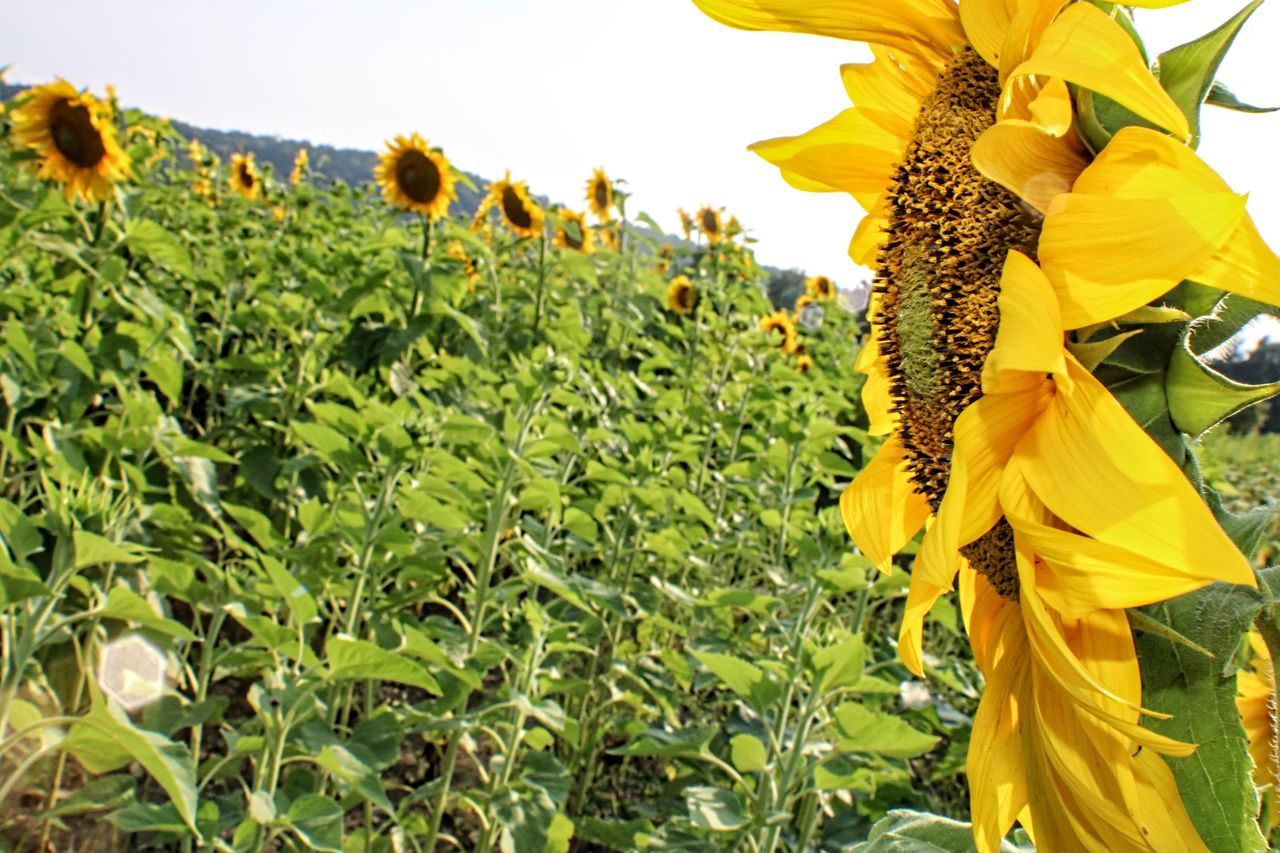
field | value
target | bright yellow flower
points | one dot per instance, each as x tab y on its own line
415	177
520	213
804	362
686	223
1055	508
820	287
608	235
301	161
780	330
244	176
801	301
1256	699
681	295
573	232
75	137
600	195
709	224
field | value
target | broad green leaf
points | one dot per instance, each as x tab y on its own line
151	240
1221	96
349	658
105	792
295	595
714	808
904	831
839	665
863	730
1187	72
747	753
318	821
340	761
746	679
17	533
659	742
1199	694
126	605
92	550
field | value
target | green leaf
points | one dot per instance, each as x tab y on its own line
864	730
150	239
17	532
361	659
318	821
126	605
148	817
345	765
746	679
295	595
665	744
747	753
1199	694
613	834
106	792
1187	72
839	665
92	549
104	740
904	831
714	808
1221	96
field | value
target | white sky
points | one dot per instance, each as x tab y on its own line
652	90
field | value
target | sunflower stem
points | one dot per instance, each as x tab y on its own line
542	282
426	268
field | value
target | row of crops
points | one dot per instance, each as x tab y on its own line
318	534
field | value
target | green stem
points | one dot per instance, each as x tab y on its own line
542	282
426	267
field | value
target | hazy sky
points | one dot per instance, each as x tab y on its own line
652	90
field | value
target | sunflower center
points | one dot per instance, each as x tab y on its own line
573	235
417	176
74	135
602	195
684	296
246	176
709	223
513	208
950	230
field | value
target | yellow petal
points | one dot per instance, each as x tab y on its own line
1095	468
986	23
920	600
921	27
1085	47
1026	29
884	94
1029	342
869	235
1245	265
881	508
849	153
1108	256
1025	159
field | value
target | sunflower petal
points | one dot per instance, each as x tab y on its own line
1022	157
824	159
1245	265
986	23
920	600
869	235
1085	47
1096	469
884	94
1029	340
916	26
881	508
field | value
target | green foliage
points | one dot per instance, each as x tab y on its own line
470	544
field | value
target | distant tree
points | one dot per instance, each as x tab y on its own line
784	287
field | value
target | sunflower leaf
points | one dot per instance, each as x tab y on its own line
1187	71
1221	96
1199	694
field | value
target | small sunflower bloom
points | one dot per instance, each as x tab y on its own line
600	195
519	212
415	177
686	223
301	163
75	137
781	330
573	232
710	224
682	296
245	179
804	362
820	287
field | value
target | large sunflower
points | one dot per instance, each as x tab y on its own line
573	232
681	295
415	177
520	213
1052	504
244	176
75	137
600	195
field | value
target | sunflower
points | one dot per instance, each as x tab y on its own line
520	213
75	137
686	222
1049	502
244	176
456	251
780	330
600	195
415	177
709	224
732	228
608	235
681	295
801	301
820	287
573	232
1256	699
301	162
804	362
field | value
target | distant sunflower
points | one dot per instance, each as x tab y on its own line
195	152
710	225
75	138
573	232
686	223
820	287
780	329
600	195
244	176
520	213
1256	699
801	301
416	178
804	362
456	251
682	296
301	161
608	235
732	228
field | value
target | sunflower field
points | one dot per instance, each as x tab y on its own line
339	518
